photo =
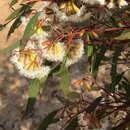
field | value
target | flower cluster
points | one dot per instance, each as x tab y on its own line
42	47
30	61
48	43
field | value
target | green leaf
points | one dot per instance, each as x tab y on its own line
125	35
72	125
73	95
98	57
10	48
2	26
65	80
90	50
26	8
14	26
13	2
114	74
116	80
34	89
49	119
30	28
15	14
18	14
90	47
95	54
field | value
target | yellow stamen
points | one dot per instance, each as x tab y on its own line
69	7
29	59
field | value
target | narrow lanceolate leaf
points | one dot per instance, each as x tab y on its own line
30	28
2	26
124	36
114	73
90	50
98	57
15	14
65	80
116	80
34	88
10	48
13	2
72	125
33	92
14	26
49	119
18	14
26	8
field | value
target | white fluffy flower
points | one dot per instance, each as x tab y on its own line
69	11
39	34
111	4
92	2
53	51
76	51
39	73
122	3
29	63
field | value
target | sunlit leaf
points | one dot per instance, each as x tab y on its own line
34	88
20	11
124	35
90	51
29	30
33	92
13	15
65	80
